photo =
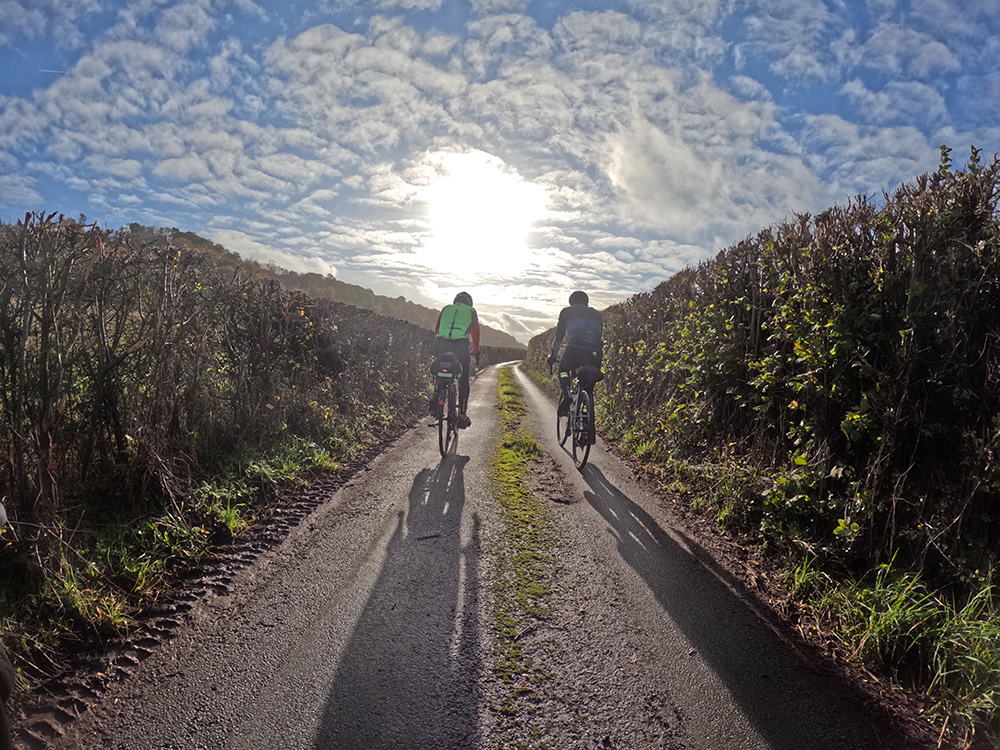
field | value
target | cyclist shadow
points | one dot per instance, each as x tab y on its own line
408	675
758	668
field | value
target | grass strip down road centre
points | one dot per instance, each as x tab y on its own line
523	577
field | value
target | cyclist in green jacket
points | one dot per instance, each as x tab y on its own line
458	331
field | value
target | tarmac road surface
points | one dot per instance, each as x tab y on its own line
369	627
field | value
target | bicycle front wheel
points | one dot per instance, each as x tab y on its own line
583	422
563	426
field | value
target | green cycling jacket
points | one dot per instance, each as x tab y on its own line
455	322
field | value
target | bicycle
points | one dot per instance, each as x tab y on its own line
578	422
447	372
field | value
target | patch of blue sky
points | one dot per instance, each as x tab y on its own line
32	64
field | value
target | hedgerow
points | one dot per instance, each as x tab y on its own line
844	368
147	395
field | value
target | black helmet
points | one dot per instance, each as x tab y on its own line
579	296
463	298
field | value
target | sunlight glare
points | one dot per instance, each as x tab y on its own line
480	216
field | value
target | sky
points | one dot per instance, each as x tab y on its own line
514	149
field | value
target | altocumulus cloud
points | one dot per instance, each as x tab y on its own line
518	150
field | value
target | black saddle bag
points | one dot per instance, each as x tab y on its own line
447	366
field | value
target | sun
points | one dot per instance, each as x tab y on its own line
480	216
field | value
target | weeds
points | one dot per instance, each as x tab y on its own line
891	622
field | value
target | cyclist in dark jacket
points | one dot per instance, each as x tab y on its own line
458	332
583	328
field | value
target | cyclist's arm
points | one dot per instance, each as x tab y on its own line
560	332
474	332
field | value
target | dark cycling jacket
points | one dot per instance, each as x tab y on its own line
581	325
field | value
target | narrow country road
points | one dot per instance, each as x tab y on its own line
369	627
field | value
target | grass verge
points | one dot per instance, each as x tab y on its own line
522	581
85	581
944	650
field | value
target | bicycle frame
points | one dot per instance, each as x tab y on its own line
579	422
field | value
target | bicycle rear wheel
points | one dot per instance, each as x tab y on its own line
582	425
441	412
448	426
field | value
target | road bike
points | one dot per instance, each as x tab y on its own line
578	422
447	372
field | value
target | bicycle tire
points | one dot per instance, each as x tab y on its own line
448	427
563	426
453	412
582	424
442	418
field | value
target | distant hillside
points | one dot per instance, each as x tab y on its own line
317	285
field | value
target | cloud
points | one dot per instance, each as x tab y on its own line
605	33
964	21
662	181
125	169
896	50
248	247
186	168
683	32
515	326
980	95
54	19
20	193
866	159
792	36
898	103
493	7
410	4
185	24
314	143
367	95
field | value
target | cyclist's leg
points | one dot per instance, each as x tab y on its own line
464	357
567	364
590	375
441	346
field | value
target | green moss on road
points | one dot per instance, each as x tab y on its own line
523	580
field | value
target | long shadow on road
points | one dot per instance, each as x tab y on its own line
789	705
408	675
